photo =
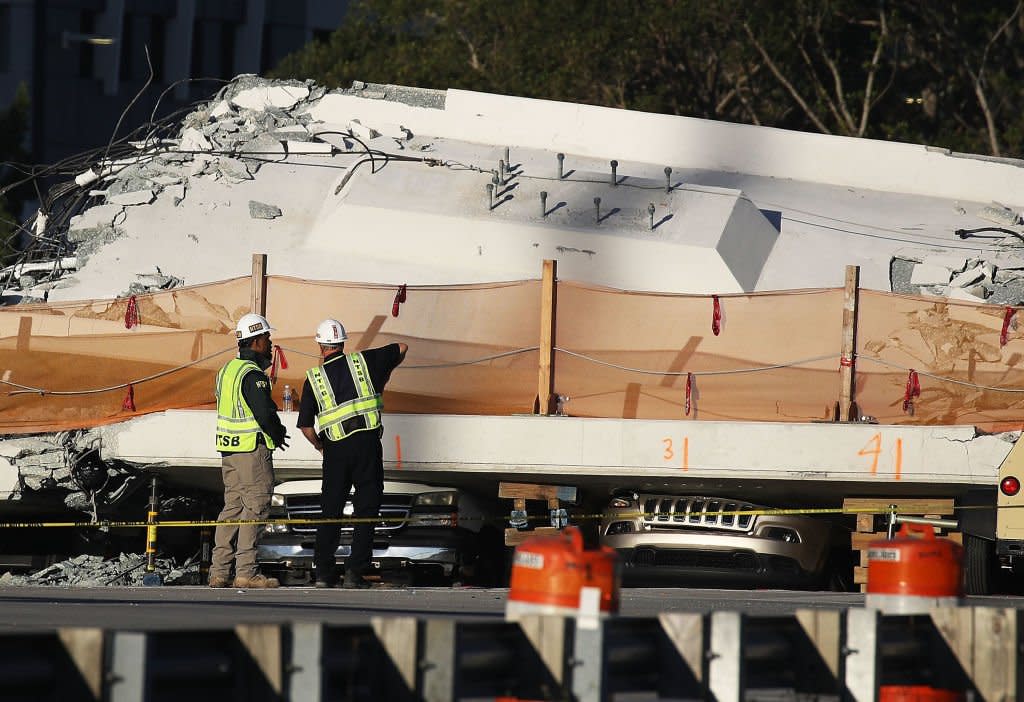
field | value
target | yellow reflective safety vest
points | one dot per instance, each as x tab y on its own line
237	427
333	418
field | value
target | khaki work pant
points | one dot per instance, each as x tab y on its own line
248	482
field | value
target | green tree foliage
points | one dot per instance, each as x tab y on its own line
944	73
13	127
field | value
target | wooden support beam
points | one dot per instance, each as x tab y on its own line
438	661
533	491
824	630
258	285
514	537
863	661
546	398
551	638
85	647
848	358
263	643
985	642
685	634
997	653
24	334
916	506
726	679
398	637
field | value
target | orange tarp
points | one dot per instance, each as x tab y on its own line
473	350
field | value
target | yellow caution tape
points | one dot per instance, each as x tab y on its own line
343	521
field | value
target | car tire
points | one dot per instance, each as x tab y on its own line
837	575
979	565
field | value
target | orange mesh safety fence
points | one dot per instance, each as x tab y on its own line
971	379
449	330
473	350
639	347
67	365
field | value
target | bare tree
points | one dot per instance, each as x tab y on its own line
821	67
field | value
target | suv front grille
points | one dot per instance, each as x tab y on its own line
697	512
394	513
724	560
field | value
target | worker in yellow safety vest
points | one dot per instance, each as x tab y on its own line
248	431
340	414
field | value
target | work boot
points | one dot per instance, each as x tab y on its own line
258	581
325	578
355	582
219	581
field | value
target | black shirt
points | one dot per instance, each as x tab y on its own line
380	362
256	392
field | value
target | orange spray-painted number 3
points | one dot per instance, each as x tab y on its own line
670	454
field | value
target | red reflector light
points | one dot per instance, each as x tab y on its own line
1010	486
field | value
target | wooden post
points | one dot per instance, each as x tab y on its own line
85	648
258	286
848	358
263	643
546	366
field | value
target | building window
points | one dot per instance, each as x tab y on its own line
5	38
138	33
86	51
213	49
226	69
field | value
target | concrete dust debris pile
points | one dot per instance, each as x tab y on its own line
996	280
261	210
95	571
153	282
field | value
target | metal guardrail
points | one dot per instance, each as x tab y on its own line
725	656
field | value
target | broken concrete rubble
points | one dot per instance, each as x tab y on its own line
96	571
999	281
261	210
135	197
153	282
250	122
234	170
59	469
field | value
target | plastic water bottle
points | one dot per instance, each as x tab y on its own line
287	398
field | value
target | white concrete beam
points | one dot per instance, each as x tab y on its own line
897	456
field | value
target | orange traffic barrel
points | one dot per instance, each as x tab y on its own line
918	693
914	572
549	573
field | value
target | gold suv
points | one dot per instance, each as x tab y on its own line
723	542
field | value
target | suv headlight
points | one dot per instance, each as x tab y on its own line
277	500
448	498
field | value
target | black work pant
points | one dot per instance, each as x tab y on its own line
356	461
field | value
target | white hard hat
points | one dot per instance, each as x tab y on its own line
251	325
330	332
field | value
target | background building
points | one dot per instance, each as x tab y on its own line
84	60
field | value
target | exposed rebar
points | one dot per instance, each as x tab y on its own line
650	211
543	203
597	209
615	166
668	179
561	164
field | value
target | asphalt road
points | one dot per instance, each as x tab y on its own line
45	608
